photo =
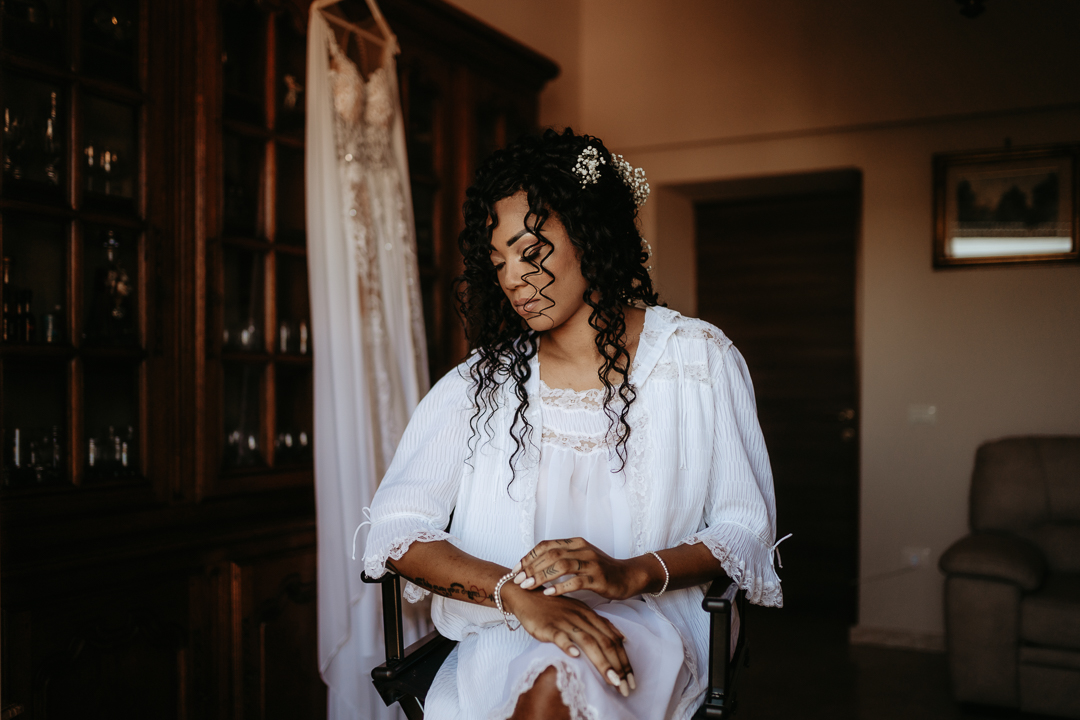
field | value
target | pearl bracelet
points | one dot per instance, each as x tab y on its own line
667	575
498	601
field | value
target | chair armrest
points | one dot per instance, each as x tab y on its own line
414	672
724	664
996	557
408	671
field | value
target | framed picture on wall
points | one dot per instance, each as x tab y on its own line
1006	206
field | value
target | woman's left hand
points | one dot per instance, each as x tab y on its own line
588	568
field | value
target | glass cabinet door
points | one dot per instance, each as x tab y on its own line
260	351
72	238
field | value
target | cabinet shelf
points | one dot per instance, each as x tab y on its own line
293	359
37	350
45	71
245	128
60	208
294	250
103	352
127	220
37	67
247	243
249	358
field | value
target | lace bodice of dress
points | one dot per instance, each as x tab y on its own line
364	110
574	419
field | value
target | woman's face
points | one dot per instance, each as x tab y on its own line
517	254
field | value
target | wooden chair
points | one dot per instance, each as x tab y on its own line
409	671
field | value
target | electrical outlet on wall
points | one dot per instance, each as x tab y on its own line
914	557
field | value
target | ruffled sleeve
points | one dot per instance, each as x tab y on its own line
419	491
740	509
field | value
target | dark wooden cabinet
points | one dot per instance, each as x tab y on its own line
157	515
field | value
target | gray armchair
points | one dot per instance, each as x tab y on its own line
1012	589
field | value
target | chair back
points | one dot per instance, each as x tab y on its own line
1030	486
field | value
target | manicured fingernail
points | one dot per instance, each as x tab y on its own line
517	567
518	578
613	677
630	679
529	582
550	591
574	652
623	689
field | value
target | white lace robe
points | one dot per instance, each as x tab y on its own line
697	471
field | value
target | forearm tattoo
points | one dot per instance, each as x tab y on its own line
456	591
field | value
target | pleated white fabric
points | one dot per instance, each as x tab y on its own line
370	367
581	492
697	471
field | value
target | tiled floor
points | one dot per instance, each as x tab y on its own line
802	668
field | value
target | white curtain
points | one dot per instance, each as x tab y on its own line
351	411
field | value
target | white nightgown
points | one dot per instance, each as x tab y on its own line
697	471
581	492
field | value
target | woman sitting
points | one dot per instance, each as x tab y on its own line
601	456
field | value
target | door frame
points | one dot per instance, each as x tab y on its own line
675	265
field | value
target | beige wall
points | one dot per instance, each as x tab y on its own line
552	27
705	90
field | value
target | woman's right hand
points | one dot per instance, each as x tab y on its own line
571	624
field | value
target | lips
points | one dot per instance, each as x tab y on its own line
528	307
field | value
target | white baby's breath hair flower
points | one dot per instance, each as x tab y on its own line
587	168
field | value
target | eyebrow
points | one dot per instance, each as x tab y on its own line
523	231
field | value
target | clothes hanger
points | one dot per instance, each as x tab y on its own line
388	37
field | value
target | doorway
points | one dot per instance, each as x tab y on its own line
776	265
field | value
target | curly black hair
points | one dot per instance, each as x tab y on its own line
601	221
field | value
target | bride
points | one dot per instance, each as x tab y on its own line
600	456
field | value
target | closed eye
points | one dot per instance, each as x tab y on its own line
532	252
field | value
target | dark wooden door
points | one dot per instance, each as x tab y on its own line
777	275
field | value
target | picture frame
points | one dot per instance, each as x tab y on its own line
1005	207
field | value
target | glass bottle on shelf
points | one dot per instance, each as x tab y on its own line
91	167
116	448
14	142
51	144
9	318
108	165
16	449
127	450
18	322
28	326
101	169
56	448
52	325
111	317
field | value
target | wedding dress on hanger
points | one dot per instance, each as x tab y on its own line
378	221
368	339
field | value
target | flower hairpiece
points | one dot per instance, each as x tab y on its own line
633	177
588	165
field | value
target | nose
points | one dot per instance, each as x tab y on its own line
513	275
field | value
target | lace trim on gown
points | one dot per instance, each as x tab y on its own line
584	444
570	399
375	566
570	689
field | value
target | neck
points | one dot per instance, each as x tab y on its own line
574	341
